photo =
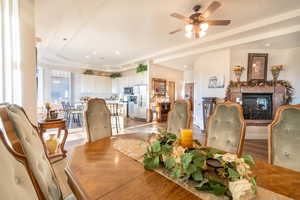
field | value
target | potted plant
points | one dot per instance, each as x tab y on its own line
115	75
141	68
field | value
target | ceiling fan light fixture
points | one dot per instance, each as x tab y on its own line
204	27
189	34
189	28
202	33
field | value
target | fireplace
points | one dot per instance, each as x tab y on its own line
257	106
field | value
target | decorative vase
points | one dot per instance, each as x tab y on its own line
52	143
275	74
238	74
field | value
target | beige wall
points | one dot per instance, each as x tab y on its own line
28	58
157	71
213	63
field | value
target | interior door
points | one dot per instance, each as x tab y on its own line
189	93
171	91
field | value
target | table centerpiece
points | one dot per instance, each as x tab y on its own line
205	169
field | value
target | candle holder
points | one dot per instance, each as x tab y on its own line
186	139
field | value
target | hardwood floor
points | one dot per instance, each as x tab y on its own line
256	148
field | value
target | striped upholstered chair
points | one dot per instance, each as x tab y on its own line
284	138
16	122
226	128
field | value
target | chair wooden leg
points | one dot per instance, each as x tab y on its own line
116	121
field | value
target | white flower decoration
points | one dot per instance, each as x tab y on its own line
242	167
241	190
178	151
228	157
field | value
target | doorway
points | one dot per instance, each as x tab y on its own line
189	93
171	91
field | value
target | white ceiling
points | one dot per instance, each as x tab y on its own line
135	28
280	42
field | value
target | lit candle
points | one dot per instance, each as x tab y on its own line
186	138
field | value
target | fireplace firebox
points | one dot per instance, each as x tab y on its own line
257	106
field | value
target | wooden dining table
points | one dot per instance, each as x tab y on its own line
96	171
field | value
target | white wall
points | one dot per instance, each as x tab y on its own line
289	58
169	74
28	58
188	76
217	62
240	57
292	71
223	61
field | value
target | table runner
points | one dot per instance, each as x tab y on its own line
135	149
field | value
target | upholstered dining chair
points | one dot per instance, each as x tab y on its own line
226	128
179	117
284	138
97	120
16	182
16	122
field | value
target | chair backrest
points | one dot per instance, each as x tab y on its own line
284	138
97	119
179	117
226	128
34	151
15	182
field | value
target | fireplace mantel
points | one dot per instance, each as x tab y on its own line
278	92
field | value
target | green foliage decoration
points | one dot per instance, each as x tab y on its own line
115	75
141	68
194	164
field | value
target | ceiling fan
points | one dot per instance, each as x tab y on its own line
197	24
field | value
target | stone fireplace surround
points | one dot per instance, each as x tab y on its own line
235	94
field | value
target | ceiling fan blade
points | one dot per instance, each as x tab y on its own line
176	31
217	22
180	16
211	8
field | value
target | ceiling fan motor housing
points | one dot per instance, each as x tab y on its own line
196	8
195	18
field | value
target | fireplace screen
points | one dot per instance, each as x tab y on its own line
257	106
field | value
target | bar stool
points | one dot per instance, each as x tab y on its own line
115	113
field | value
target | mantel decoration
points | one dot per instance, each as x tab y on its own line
141	68
257	66
276	71
202	168
262	83
238	70
115	75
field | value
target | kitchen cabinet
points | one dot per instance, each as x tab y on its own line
95	84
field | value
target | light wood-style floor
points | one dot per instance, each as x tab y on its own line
256	148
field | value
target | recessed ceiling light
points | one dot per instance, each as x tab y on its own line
184	66
94	52
267	44
87	56
118	52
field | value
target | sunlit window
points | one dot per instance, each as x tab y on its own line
60	84
10	82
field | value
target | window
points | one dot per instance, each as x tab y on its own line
10	81
60	84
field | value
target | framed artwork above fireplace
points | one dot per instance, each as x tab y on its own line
257	66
